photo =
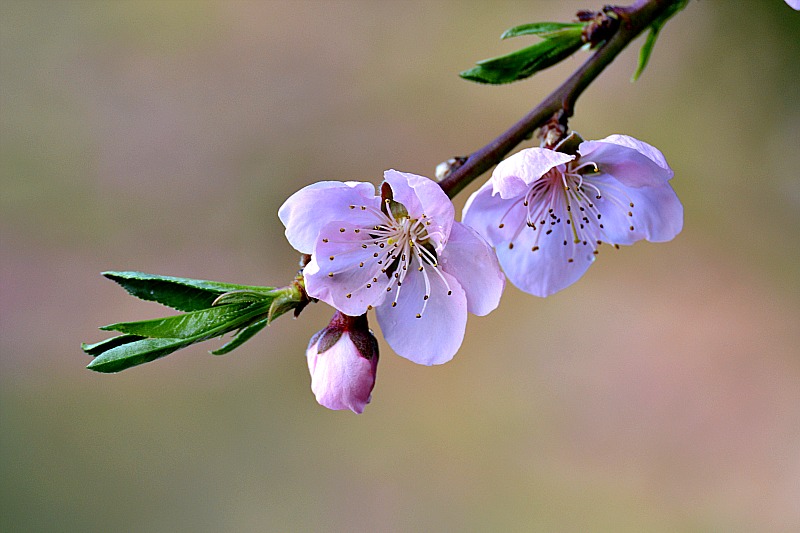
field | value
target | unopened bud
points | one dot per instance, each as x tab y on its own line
343	361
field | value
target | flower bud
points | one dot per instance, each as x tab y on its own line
343	360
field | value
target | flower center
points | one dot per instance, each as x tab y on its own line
567	204
401	244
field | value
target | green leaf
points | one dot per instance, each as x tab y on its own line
182	294
182	326
526	62
129	354
103	346
136	353
542	29
652	36
244	335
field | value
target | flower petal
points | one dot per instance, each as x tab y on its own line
469	259
513	175
485	212
632	162
434	338
353	268
656	215
423	196
305	212
542	264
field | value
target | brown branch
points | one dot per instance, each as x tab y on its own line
633	20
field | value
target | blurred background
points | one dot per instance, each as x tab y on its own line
659	393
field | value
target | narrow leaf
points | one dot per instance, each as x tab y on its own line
243	336
182	326
526	62
542	29
136	353
103	346
652	36
182	294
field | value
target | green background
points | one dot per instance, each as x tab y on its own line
659	393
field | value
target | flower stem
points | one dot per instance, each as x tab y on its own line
633	20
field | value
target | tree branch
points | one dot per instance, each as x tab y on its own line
633	20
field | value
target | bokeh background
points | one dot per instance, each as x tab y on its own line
659	393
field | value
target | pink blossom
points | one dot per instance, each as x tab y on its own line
400	253
794	4
343	360
547	212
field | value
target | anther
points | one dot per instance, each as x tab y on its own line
631	228
324	240
375	254
352	207
534	248
341	230
330	274
501	226
511	246
570	260
394	304
449	293
630	213
331	258
426	296
548	232
361	264
348	295
419	315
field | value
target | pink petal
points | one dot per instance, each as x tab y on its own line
657	214
436	337
469	259
513	175
485	212
306	211
539	264
349	276
632	162
421	195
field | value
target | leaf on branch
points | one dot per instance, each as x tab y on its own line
542	29
182	294
556	46
244	335
136	353
652	36
182	326
103	346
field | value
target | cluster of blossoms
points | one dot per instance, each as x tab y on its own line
400	252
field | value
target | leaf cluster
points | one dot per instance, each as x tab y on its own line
212	309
